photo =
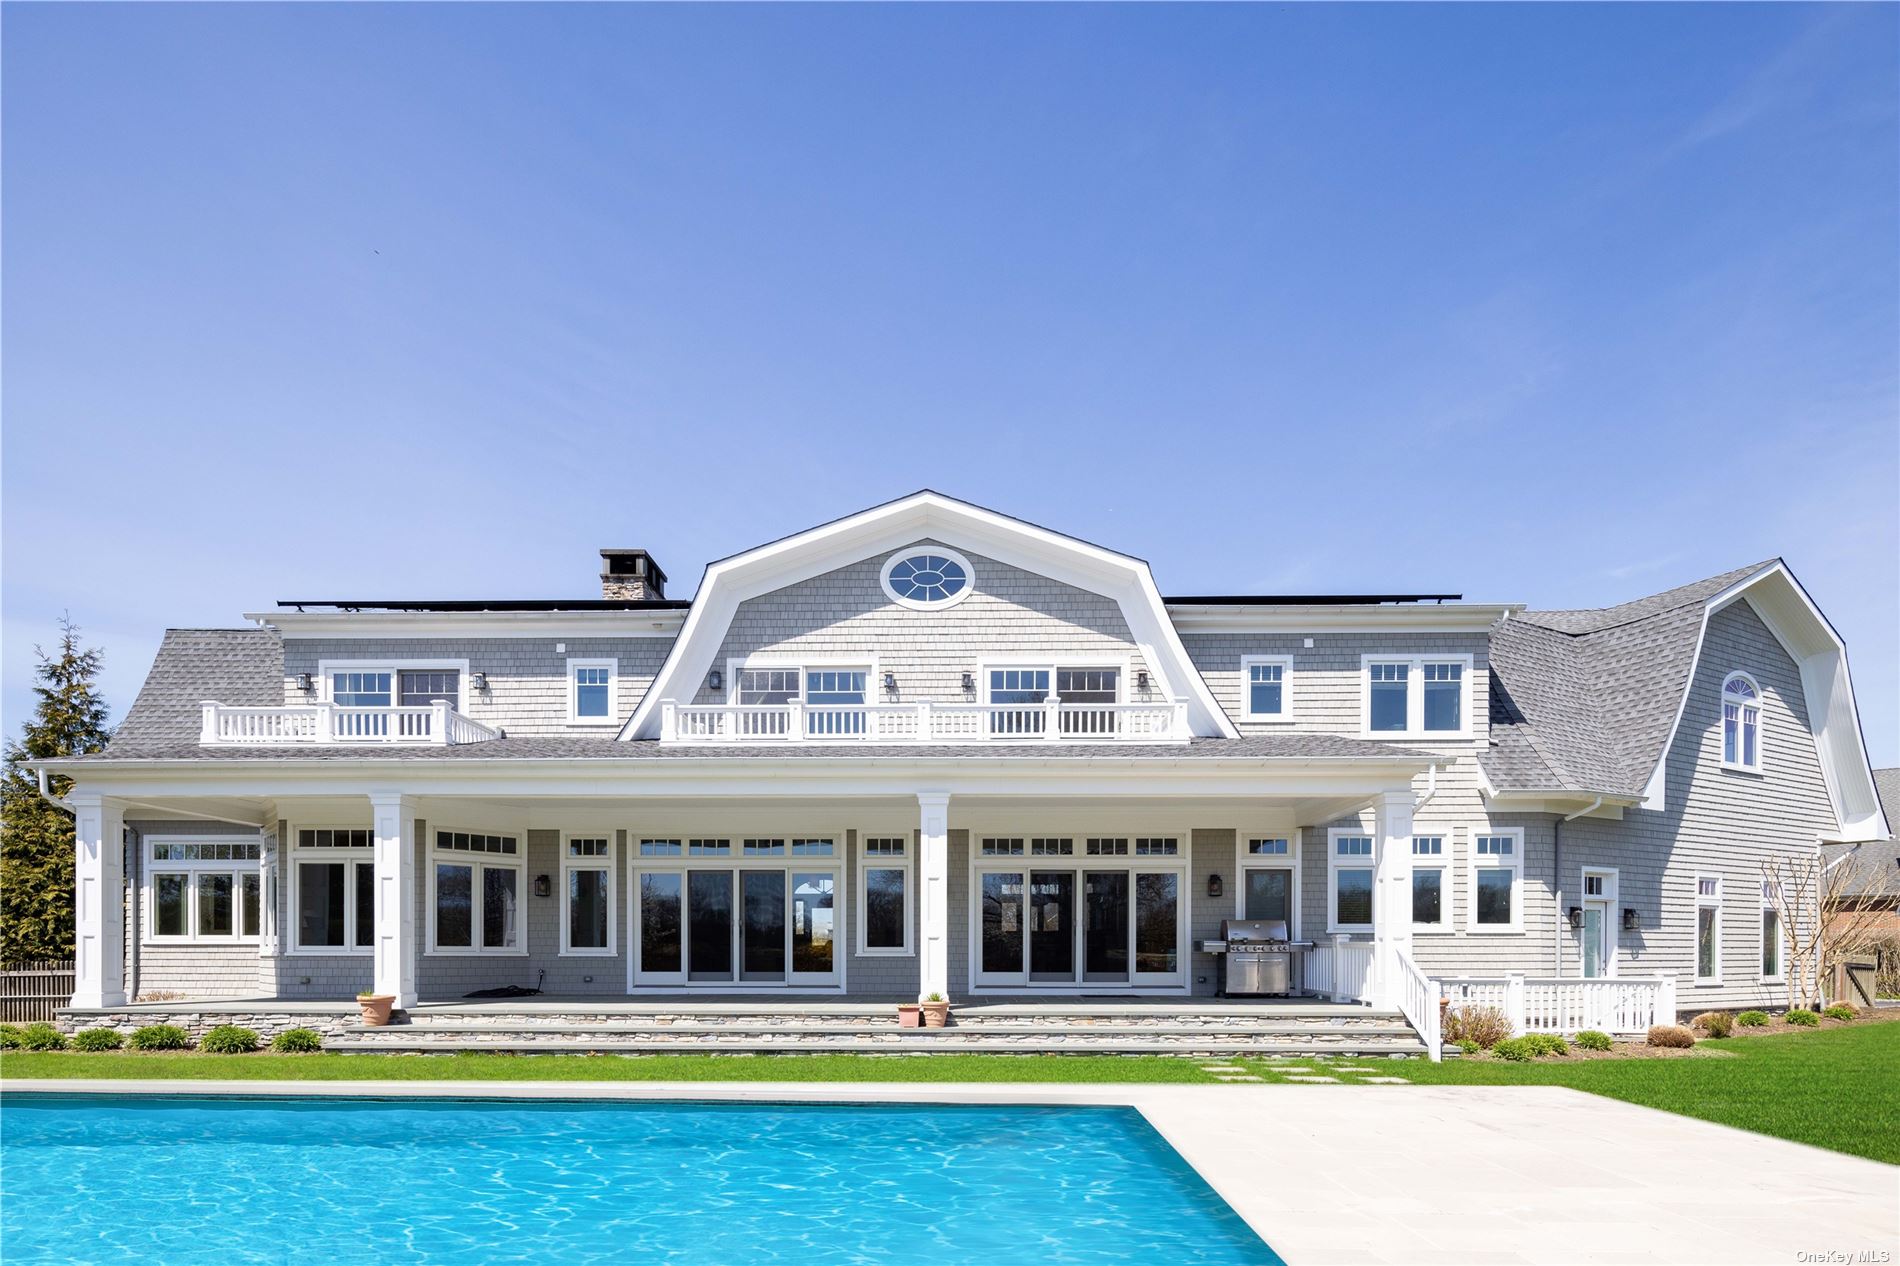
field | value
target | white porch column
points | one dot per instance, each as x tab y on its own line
98	900
933	903
1391	891
394	816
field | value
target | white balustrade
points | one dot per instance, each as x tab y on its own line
1418	1001
1567	1005
924	722
434	723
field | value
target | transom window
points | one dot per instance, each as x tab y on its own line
1107	848
1051	848
333	871
1429	898
891	846
1266	684
1349	895
1593	885
1497	868
475	894
203	891
1741	723
1420	695
1267	848
1157	847
1708	929
929	577
1001	848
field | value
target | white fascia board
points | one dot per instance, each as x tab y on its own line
929	515
400	624
648	779
1463	617
1790	614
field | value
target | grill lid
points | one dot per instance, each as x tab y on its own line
1236	930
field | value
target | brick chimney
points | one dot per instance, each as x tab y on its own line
630	575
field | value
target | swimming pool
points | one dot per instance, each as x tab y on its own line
325	1181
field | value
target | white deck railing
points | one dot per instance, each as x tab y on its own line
1556	1004
1340	969
924	722
435	723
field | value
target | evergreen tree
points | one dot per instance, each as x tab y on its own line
36	839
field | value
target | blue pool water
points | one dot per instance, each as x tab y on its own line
319	1182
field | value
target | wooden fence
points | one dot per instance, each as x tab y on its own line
31	991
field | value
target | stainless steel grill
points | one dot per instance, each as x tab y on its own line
1258	957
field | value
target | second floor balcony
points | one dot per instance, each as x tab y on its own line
435	723
924	722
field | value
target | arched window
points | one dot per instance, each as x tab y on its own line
1741	722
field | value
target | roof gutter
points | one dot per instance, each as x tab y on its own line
46	793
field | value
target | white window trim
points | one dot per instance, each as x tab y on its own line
1721	727
478	862
325	667
908	864
612	665
1285	664
1477	863
293	853
1768	907
1612	899
569	864
1415	698
804	665
942	551
1244	860
193	870
1440	862
1706	902
1123	665
1334	865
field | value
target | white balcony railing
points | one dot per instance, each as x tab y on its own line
1568	1004
924	722
434	723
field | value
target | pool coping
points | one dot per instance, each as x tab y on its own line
1359	1174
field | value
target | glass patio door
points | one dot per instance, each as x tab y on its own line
659	928
1105	946
1157	927
1000	952
1052	925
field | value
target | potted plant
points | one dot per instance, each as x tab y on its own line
376	1007
909	1016
936	1009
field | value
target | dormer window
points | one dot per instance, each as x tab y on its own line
927	578
1422	696
1741	723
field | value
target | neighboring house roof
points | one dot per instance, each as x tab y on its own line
1586	702
238	667
1879	869
1288	747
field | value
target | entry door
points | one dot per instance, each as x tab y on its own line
1052	925
1105	943
1596	944
1158	927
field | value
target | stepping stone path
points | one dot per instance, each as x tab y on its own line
1387	1081
1333	1080
1229	1073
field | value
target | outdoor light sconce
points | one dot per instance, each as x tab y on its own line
969	684
1630	921
305	684
890	683
543	886
479	681
1141	681
1576	916
715	680
1214	886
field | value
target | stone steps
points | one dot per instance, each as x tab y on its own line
552	1026
942	1042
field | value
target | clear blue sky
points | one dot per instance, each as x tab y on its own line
1551	304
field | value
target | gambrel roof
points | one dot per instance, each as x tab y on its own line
1587	702
239	667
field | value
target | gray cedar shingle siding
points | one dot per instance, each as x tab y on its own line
1010	615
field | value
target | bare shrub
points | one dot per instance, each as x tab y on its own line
1487	1026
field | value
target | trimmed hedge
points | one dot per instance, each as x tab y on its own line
161	1037
229	1039
297	1042
97	1040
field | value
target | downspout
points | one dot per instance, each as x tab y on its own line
1557	878
1431	787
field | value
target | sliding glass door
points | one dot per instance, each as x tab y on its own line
735	927
1079	927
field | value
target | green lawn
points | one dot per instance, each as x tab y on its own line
1835	1088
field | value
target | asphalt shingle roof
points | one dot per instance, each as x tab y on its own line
1593	695
1879	868
240	667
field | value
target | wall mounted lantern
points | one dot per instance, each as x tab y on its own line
305	684
1214	886
543	886
715	680
479	681
1630	922
1576	916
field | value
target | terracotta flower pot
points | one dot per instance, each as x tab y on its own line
936	1014
376	1008
909	1016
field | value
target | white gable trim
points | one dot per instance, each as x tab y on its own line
1787	611
1126	580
